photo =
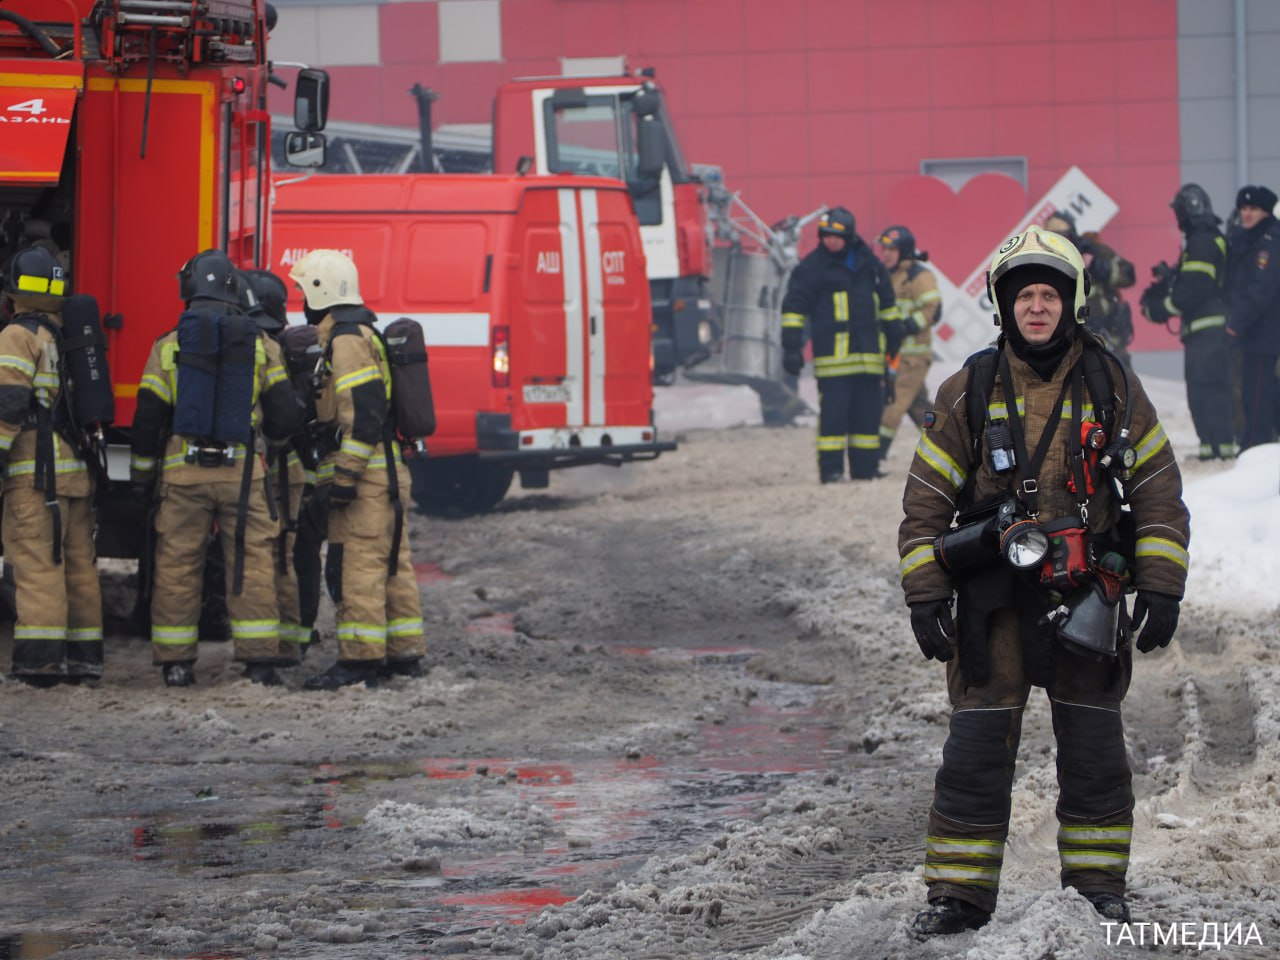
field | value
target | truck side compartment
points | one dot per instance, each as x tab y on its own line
534	304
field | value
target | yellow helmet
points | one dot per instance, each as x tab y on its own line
1038	247
327	278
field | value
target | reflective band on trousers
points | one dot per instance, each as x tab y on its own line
1090	847
973	862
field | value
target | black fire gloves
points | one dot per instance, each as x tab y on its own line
935	630
1160	613
793	361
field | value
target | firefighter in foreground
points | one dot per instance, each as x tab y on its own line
920	304
1109	273
1194	293
48	489
1039	559
368	568
844	295
210	399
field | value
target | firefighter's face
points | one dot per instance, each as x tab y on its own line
1037	310
1251	216
833	242
889	256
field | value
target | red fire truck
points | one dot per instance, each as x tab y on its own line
135	134
532	296
620	127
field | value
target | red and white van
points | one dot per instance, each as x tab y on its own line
533	298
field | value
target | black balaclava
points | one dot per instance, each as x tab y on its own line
1043	358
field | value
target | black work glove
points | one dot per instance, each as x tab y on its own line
934	628
793	361
330	496
1160	611
890	387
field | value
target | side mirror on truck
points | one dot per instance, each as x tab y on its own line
311	100
303	149
651	139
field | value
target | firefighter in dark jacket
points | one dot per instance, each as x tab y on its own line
48	488
359	479
1253	286
1044	537
198	480
843	293
1194	292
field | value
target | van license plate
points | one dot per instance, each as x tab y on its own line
547	393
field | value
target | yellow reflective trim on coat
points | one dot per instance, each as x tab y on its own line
840	304
276	375
840	349
915	559
793	320
1151	444
999	410
157	385
1160	547
1206	323
362	451
889	314
929	296
1200	266
21	364
941	461
354	379
6	442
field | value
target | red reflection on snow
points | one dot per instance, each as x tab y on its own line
428	572
517	902
496	623
526	774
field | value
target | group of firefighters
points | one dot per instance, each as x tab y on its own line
268	447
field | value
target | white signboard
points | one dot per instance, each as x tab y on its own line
967	325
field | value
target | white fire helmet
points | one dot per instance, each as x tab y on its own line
327	278
1037	246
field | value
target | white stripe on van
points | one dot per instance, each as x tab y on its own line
438	329
595	306
571	258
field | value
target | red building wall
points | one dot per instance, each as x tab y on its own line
807	102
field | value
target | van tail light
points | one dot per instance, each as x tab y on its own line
502	356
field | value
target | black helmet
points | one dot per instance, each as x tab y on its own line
903	240
1191	205
837	222
209	275
1063	224
36	275
271	295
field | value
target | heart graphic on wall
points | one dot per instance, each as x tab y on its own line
959	229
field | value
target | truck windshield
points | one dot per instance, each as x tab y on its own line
586	139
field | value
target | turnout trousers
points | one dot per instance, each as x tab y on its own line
849	409
969	819
1207	367
185	515
910	398
378	615
58	631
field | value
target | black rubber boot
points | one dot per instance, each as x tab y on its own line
41	681
263	673
344	673
403	668
179	675
831	478
1111	906
946	916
